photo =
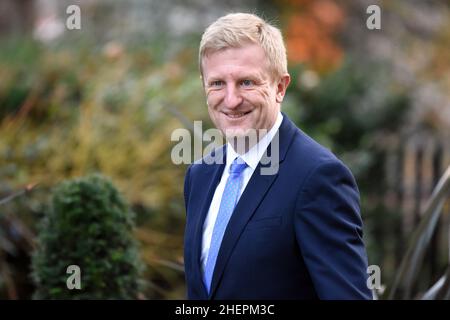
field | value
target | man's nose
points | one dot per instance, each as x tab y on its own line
232	97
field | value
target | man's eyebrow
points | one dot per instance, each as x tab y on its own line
250	76
211	81
214	78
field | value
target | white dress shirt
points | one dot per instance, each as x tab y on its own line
251	158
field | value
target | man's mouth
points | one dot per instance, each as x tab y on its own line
237	115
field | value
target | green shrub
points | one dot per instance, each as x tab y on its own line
88	225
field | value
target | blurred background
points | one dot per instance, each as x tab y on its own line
106	98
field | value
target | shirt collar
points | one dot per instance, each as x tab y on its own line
254	155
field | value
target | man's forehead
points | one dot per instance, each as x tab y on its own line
242	58
247	46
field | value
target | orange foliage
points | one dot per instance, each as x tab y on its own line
310	32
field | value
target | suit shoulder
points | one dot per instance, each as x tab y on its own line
307	156
310	151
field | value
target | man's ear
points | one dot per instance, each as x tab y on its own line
282	85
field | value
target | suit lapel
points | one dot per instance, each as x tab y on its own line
211	176
254	193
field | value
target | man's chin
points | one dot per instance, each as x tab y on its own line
242	139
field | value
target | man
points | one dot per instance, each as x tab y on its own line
293	234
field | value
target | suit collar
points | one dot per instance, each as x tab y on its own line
210	174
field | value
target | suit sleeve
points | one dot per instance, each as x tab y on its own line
328	228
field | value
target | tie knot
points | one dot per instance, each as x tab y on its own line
237	166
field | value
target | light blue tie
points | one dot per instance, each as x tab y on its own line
229	199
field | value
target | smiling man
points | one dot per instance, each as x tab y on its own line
293	234
242	93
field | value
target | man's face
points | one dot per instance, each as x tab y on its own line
241	94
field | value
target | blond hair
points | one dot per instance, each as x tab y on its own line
237	29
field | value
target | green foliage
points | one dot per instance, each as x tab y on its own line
349	106
71	110
89	225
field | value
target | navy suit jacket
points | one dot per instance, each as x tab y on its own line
296	234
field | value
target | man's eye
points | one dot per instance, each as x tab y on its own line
247	83
216	83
